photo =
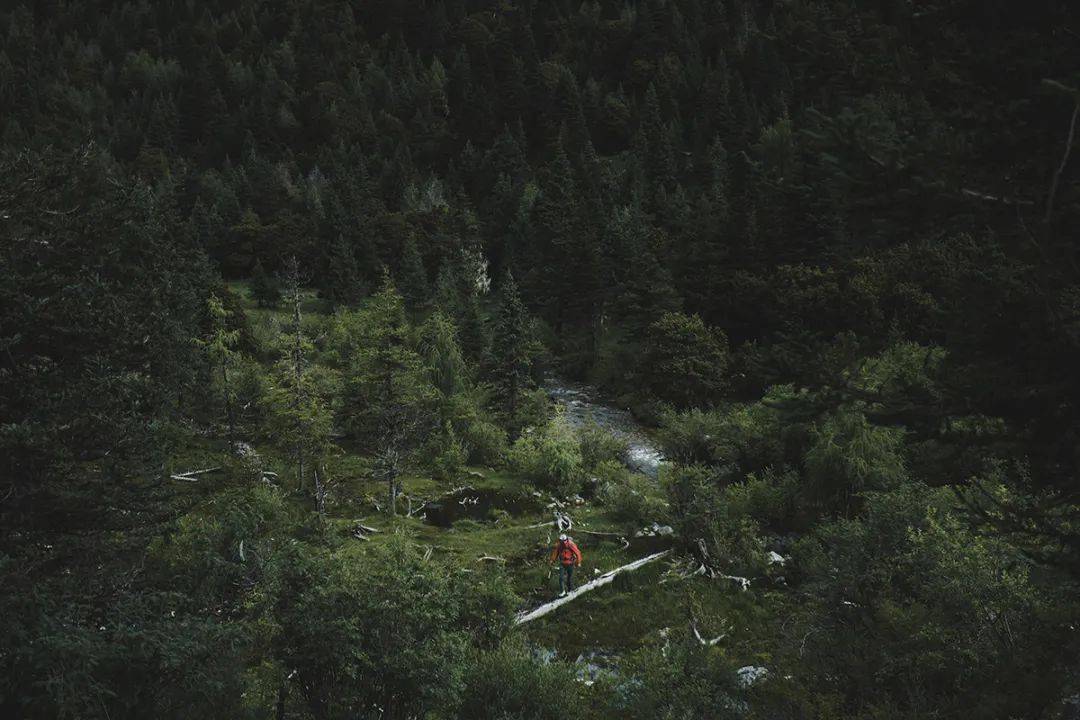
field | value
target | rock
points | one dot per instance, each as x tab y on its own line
776	558
664	530
577	500
750	674
475	474
593	665
543	655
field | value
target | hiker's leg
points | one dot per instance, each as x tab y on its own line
562	578
569	578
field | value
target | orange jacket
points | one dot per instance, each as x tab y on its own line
567	553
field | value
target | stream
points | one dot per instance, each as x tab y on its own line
582	403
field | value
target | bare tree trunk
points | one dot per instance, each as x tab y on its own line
1064	162
230	415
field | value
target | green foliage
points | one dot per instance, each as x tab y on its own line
630	498
512	353
550	457
381	630
679	679
265	290
96	335
511	683
448	454
685	361
599	445
751	437
297	412
385	384
221	354
722	535
486	443
442	354
947	621
848	456
412	276
829	244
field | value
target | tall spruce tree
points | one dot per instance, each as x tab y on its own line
512	351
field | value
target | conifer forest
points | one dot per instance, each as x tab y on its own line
323	321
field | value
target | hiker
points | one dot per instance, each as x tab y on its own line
568	555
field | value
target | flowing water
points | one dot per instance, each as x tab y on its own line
581	403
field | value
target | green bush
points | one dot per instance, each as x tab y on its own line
702	513
599	445
510	684
631	500
751	437
769	497
485	442
550	457
447	454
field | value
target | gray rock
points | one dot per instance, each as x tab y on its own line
750	674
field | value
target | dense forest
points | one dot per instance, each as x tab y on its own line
279	278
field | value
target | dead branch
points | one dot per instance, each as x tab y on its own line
191	475
703	641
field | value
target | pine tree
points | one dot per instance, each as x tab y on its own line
512	351
265	290
412	276
341	283
566	287
387	396
220	349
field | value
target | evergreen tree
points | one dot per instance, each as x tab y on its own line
221	352
341	283
265	290
412	276
387	397
512	350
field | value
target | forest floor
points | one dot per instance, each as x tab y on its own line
494	516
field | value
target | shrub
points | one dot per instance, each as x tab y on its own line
599	445
485	443
550	457
448	454
769	497
702	513
631	499
685	361
752	437
510	683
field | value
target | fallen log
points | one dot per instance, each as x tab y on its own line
192	475
604	579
